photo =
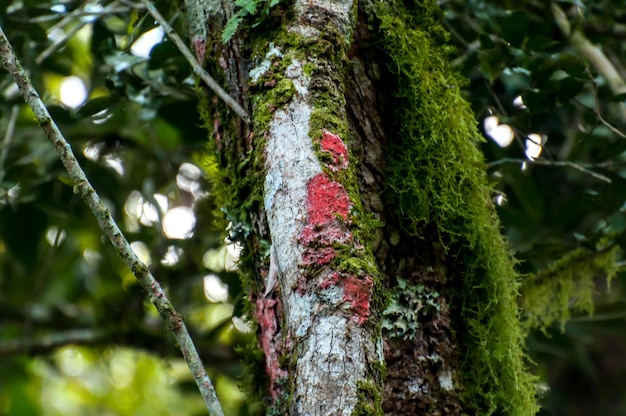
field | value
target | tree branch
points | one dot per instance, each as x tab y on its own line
555	163
195	66
590	52
173	320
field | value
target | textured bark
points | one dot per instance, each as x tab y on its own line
308	178
325	309
420	373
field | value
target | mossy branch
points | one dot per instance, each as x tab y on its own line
566	286
174	322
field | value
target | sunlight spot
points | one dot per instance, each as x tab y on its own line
144	44
241	326
72	92
122	368
71	361
222	258
56	35
58	8
146	212
518	102
102	116
54	237
92	151
187	178
214	289
91	8
91	256
534	145
171	256
502	134
179	222
115	163
142	251
132	206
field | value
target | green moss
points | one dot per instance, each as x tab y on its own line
565	286
437	178
369	400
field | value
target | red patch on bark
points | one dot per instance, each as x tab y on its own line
324	236
328	204
318	257
333	144
326	199
357	293
200	47
267	311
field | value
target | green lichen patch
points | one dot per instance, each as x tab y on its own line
409	303
566	286
437	179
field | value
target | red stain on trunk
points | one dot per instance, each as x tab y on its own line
357	293
267	311
326	200
333	144
328	205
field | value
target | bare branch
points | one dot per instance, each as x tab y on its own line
50	341
554	163
174	322
8	137
195	66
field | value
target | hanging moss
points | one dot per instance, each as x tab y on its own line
566	286
437	177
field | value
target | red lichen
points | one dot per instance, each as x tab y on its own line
200	48
333	144
357	293
331	280
326	199
325	235
318	257
267	311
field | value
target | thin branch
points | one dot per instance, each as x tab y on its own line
554	163
50	341
8	137
84	13
196	67
67	19
174	322
544	162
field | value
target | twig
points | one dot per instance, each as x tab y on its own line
555	163
173	320
8	137
45	54
50	341
84	13
196	67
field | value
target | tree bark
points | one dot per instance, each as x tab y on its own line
364	304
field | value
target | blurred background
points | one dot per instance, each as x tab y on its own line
77	336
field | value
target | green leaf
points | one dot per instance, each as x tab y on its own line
231	27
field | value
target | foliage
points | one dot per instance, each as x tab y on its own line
565	286
58	279
247	8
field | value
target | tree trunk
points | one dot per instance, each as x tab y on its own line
375	267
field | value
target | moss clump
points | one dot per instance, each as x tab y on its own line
566	286
437	177
369	400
